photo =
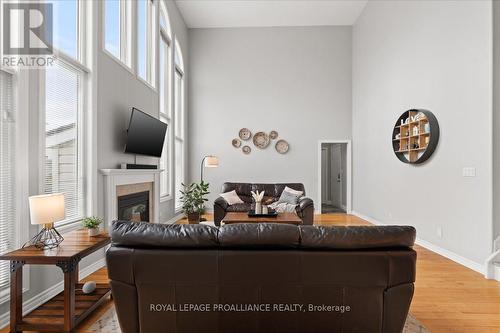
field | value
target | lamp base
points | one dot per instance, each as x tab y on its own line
47	238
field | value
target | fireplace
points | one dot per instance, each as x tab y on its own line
134	207
120	184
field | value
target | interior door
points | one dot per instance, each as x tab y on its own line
336	176
325	176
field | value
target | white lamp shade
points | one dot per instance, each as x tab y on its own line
211	162
45	209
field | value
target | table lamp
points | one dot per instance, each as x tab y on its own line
209	161
46	210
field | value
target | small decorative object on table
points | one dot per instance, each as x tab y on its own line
193	200
258	201
46	210
246	150
92	225
273	135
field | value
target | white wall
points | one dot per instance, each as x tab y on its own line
435	55
496	117
293	80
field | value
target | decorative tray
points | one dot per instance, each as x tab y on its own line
269	214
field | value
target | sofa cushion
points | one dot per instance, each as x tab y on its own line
240	207
357	237
231	197
259	235
290	196
156	235
279	188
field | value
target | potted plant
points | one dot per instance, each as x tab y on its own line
92	225
193	200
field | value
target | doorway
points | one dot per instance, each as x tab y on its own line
334	182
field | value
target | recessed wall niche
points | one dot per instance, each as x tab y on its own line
415	136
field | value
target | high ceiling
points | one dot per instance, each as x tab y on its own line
269	13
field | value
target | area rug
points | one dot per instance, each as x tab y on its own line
108	323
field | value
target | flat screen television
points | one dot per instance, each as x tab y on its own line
145	134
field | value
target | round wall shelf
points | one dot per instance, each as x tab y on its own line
415	136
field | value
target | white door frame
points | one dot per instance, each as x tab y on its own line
348	173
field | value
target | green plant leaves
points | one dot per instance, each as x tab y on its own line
193	197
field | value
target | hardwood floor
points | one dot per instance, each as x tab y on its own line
448	296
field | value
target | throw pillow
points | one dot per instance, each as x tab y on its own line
291	190
231	197
290	196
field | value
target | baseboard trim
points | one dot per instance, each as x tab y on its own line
37	300
434	248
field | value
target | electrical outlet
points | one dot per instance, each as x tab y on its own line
469	172
439	232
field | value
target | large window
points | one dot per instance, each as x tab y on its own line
63	139
179	117
117	29
63	92
7	173
165	74
146	39
66	29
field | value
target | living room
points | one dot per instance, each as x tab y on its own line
263	157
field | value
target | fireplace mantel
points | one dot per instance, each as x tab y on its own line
117	177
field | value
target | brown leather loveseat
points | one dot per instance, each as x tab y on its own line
250	278
305	207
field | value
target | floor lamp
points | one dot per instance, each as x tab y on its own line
208	161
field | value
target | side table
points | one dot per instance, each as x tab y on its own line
66	310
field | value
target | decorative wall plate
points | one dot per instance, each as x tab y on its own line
245	134
261	140
282	146
273	135
246	150
236	143
415	136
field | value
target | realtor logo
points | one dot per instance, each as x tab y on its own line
27	28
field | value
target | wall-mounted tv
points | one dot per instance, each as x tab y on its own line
145	134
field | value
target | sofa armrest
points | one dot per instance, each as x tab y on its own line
305	202
221	203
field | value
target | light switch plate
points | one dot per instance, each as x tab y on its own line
469	172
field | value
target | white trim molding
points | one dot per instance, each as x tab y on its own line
116	177
475	266
492	264
348	174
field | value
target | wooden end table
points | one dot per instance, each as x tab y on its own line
242	217
66	310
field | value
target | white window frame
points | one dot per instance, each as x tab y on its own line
180	136
20	102
167	114
126	33
83	146
152	24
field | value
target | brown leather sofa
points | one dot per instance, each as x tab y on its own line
305	208
203	279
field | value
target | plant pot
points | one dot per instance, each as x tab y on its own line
194	218
93	231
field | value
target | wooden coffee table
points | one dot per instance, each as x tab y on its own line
237	217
